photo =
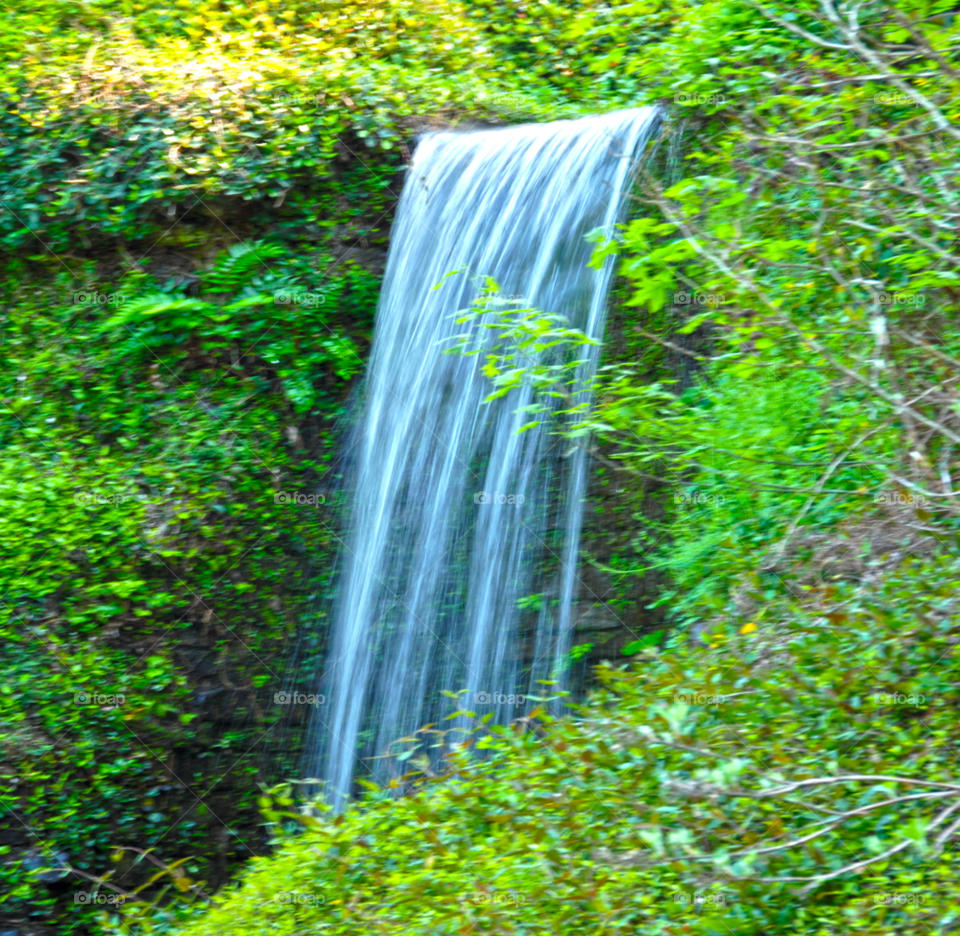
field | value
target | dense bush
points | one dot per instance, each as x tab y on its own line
144	557
797	779
118	127
810	244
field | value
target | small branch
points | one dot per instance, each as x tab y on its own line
920	343
843	778
798	31
917	487
778	551
854	78
671	345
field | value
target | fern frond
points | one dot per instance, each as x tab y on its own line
258	300
240	263
153	304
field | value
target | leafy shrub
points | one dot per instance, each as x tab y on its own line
141	453
798	778
116	128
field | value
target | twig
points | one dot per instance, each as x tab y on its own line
778	551
671	345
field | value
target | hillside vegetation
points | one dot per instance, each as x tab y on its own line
196	205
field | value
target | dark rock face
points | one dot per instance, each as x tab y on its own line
612	610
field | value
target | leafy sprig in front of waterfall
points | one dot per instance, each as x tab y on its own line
521	344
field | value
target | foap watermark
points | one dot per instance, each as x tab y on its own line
95	898
900	499
301	500
498	299
100	99
902	298
298	99
500	897
298	698
700	497
86	498
699	698
900	98
698	97
482	497
509	99
300	898
97	698
898	698
288	297
902	897
498	698
698	899
698	298
99	299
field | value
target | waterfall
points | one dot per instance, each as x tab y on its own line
433	576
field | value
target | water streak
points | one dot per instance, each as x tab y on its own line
430	590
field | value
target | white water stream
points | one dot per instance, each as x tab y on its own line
428	597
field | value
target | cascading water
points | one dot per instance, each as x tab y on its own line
430	595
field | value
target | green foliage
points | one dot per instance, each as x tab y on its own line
808	245
143	439
115	128
524	346
807	180
586	48
739	782
644	643
268	308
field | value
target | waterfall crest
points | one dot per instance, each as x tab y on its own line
434	567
